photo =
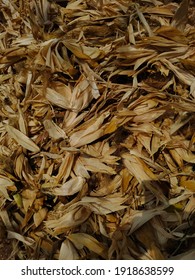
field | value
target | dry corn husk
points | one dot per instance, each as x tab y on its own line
71	187
54	131
68	251
5	183
22	139
83	239
97	129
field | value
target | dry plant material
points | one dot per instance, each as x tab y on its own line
97	129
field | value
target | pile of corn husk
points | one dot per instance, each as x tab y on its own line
97	134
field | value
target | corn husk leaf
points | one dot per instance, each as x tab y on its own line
73	217
103	206
92	133
81	240
95	165
26	240
39	216
57	98
138	218
54	130
4	184
22	139
71	187
189	184
144	175
67	251
180	17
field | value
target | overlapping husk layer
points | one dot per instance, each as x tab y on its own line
97	134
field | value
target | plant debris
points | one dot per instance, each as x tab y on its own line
97	141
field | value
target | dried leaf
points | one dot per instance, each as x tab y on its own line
22	139
26	240
135	219
81	240
39	216
67	251
71	187
4	183
57	98
72	217
28	197
144	175
189	184
103	206
144	22
172	33
107	187
180	17
95	165
54	130
90	134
